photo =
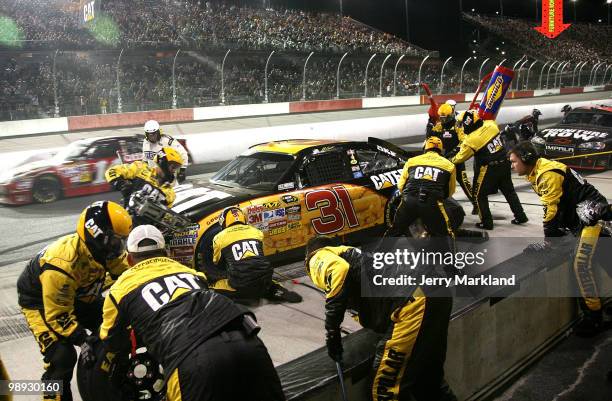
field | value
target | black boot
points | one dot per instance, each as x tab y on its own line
278	293
590	324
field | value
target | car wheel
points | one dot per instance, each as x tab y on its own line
46	189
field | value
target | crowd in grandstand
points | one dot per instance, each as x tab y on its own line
583	42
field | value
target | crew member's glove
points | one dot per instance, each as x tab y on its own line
452	153
537	247
333	341
88	352
118	377
590	212
182	175
123	186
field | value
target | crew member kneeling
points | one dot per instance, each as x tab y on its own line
409	360
207	345
244	271
425	182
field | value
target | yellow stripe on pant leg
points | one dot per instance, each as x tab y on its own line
173	388
481	176
42	334
398	349
582	266
465	185
449	228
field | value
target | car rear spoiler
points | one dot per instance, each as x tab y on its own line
405	154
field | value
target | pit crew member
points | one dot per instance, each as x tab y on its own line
154	142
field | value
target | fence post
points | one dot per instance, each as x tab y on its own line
442	75
304	76
55	99
119	105
381	74
266	99
395	74
419	76
223	76
461	75
174	79
365	80
338	76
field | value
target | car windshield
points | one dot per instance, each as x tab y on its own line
256	171
588	118
71	151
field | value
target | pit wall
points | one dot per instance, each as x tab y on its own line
103	121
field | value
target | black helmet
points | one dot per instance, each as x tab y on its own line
103	226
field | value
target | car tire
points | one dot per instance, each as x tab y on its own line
46	189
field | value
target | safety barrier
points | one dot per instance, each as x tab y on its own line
70	124
490	340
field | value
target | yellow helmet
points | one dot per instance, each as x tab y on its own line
230	216
169	161
103	226
433	143
446	114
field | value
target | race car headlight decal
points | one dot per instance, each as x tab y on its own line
24	184
592	145
536	140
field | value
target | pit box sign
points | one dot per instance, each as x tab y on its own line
552	19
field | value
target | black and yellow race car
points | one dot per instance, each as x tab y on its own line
582	140
293	190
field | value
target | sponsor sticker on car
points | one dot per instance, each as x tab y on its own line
560	149
289	199
385	180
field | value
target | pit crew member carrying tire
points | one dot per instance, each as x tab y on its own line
206	344
560	190
59	291
242	271
154	142
154	182
483	141
409	360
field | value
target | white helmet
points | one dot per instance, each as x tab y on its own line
152	131
151	126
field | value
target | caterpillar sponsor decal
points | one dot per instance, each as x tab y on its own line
289	199
386	180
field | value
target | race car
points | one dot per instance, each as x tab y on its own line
293	190
582	140
77	169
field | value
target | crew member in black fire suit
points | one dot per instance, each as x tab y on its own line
206	344
154	182
560	190
409	361
483	141
451	136
425	182
243	271
60	289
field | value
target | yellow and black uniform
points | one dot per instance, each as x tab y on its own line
60	289
425	182
560	189
197	335
409	360
451	136
138	176
59	293
484	143
244	271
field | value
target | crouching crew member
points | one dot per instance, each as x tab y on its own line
483	141
206	344
451	136
409	360
425	182
243	270
155	182
560	190
155	141
60	289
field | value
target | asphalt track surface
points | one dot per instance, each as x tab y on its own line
574	371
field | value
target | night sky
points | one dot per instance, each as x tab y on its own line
435	24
